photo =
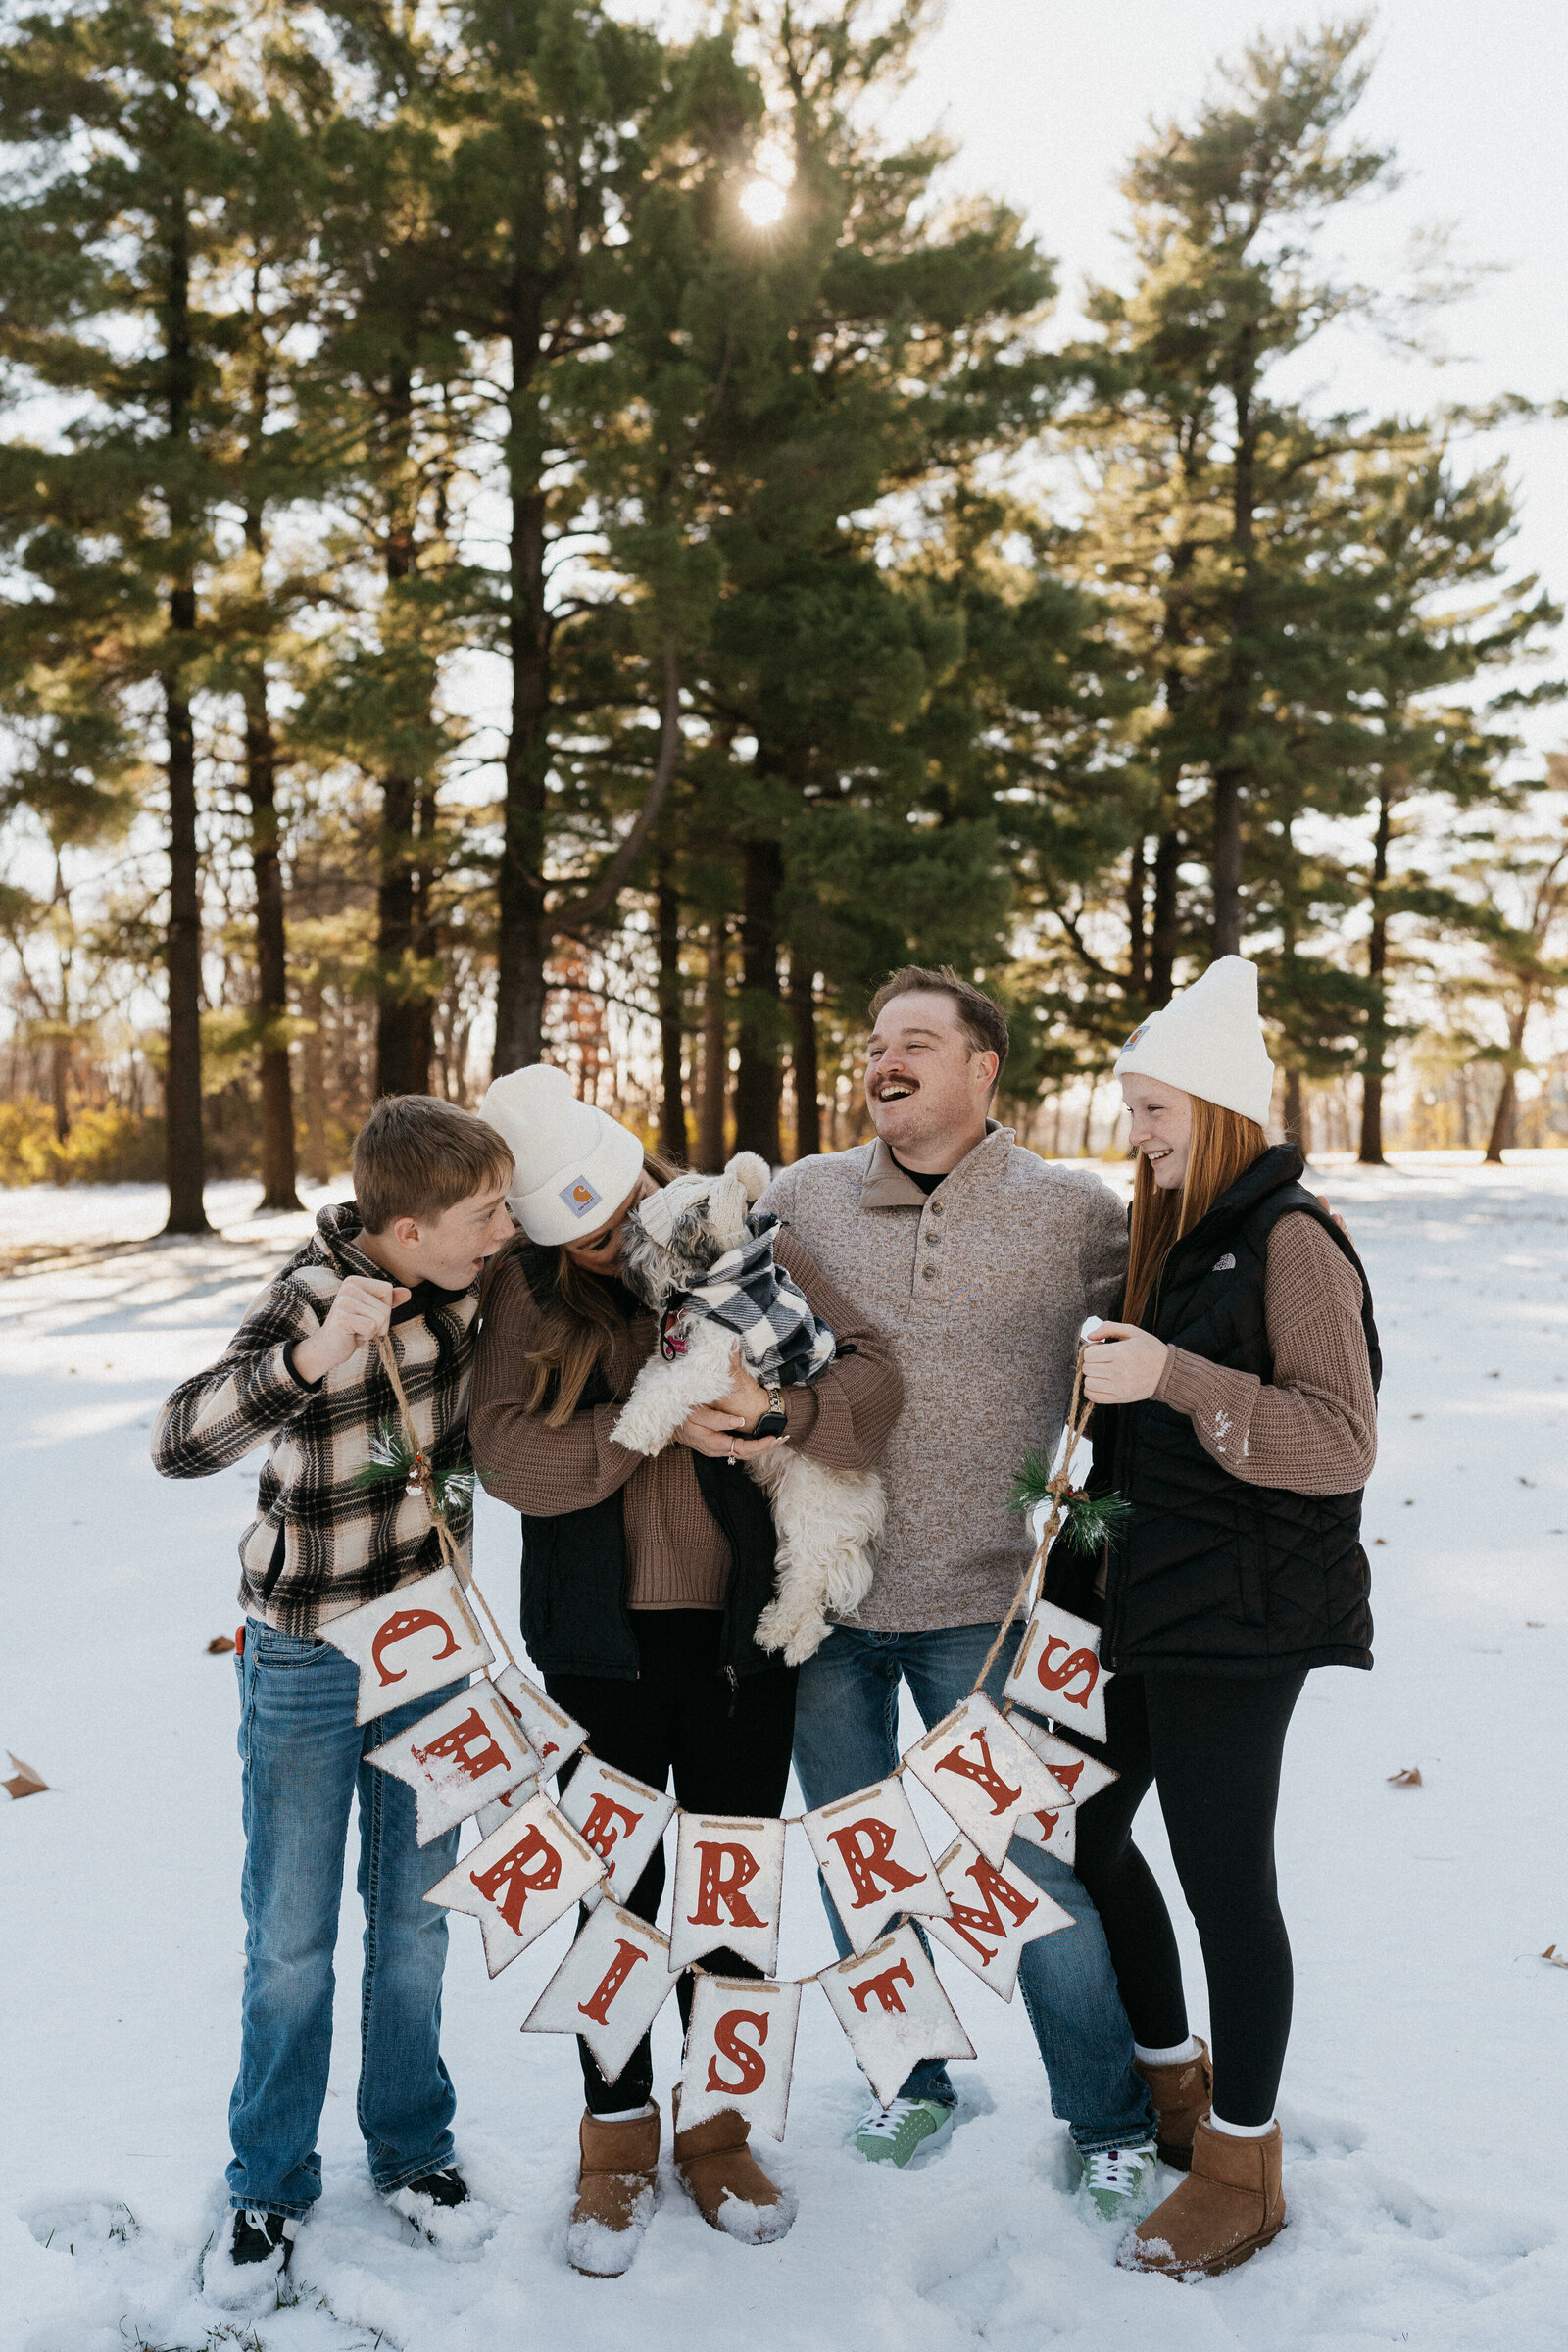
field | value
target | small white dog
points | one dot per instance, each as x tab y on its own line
705	1267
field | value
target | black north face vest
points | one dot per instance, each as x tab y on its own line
1211	1576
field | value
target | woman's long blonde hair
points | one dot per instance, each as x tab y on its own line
577	1328
1224	1147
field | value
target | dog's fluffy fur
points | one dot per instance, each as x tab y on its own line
827	1521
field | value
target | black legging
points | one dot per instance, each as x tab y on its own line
729	1752
1212	1746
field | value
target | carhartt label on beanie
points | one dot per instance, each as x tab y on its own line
1208	1041
574	1164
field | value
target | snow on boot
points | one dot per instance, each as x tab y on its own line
243	2271
1183	2092
730	2188
1119	2182
901	2130
438	2205
1230	2204
618	2178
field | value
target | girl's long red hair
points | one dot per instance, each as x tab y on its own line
1224	1147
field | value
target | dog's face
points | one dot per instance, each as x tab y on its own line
672	1237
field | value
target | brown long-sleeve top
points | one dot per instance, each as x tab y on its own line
676	1555
1313	1428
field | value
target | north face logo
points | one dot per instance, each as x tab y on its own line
1225	1264
580	1197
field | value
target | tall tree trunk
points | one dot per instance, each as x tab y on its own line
803	1031
756	1081
715	1049
1295	1114
1503	1124
1232	767
673	1138
182	1081
421	1011
523	936
1375	1058
1137	921
396	1011
1165	930
272	952
312	1058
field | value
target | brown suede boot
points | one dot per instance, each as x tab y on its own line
1230	2204
731	2191
1183	2094
617	2182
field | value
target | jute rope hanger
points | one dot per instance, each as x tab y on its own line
1023	1599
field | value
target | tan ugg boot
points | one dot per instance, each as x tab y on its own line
1230	2204
730	2188
617	2181
1183	2094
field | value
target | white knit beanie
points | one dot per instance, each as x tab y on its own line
574	1164
1208	1041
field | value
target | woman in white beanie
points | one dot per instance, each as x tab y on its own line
643	1577
1235	1416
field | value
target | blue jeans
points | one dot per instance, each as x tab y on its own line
304	1756
847	1736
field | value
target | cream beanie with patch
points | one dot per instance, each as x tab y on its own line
1208	1041
574	1164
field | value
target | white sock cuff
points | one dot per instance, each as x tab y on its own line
1217	2123
1174	2056
627	2115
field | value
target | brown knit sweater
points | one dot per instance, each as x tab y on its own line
1313	1428
676	1555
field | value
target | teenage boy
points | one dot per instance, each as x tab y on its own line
978	1263
302	1375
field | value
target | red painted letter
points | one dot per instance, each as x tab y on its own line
993	1891
751	2068
530	1867
985	1773
600	1831
1057	1678
885	1987
870	1862
720	1885
398	1627
597	2005
471	1744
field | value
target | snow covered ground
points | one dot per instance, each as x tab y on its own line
1423	2098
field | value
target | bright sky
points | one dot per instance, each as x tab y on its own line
1046	98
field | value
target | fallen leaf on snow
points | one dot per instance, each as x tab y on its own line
1409	1777
1558	1959
25	1781
220	1647
1380	1540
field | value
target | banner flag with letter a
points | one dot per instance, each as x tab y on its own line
549	1729
410	1642
1081	1775
981	1773
1057	1672
467	1753
996	1911
609	1989
729	1880
874	1861
621	1818
740	2049
519	1880
892	2009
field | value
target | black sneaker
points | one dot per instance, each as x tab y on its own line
445	2188
251	2255
438	2205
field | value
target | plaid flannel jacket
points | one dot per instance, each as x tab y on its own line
319	1544
765	1307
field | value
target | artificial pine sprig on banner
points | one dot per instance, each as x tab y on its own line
393	1460
1087	1520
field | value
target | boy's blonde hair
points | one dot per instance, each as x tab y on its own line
417	1156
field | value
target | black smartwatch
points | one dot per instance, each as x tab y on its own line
773	1423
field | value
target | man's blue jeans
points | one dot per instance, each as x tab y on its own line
304	1757
847	1736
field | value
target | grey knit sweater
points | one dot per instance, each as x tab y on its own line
980	1289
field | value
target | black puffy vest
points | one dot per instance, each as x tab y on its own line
1209	1575
574	1616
